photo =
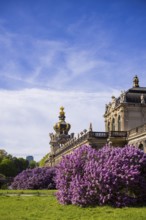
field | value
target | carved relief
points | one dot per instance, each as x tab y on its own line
123	97
142	99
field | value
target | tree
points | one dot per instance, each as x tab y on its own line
32	164
8	168
42	161
4	154
21	164
2	180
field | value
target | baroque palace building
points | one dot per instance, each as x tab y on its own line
125	123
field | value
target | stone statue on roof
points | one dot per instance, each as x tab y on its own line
123	97
142	99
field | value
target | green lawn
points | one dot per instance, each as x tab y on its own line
26	206
26	192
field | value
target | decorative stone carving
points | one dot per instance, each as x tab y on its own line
106	108
113	102
51	136
90	127
123	97
135	82
142	99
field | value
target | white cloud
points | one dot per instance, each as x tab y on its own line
28	116
58	64
91	61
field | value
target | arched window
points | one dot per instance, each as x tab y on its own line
119	123
113	124
140	146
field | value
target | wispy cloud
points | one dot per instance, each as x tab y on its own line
27	116
30	62
72	53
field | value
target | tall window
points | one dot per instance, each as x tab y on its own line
119	123
108	126
113	124
140	146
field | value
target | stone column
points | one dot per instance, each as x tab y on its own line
122	120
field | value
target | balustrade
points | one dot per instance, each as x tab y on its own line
138	130
118	133
85	136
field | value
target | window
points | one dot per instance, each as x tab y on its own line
119	123
108	126
140	146
113	124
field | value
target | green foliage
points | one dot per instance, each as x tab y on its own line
10	166
4	154
7	167
21	164
2	177
42	161
32	164
2	180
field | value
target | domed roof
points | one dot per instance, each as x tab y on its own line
62	127
136	94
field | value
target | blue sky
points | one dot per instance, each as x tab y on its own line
63	52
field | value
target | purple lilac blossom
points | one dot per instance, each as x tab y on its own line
37	178
108	176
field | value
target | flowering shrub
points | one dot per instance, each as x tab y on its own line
37	178
109	176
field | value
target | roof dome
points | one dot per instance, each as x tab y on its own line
62	127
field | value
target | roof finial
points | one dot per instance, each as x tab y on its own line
90	127
135	82
62	114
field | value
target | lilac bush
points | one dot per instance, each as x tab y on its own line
37	178
109	176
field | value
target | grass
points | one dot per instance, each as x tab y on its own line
46	207
26	192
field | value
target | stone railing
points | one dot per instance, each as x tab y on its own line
99	134
86	136
72	142
137	130
80	140
117	133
